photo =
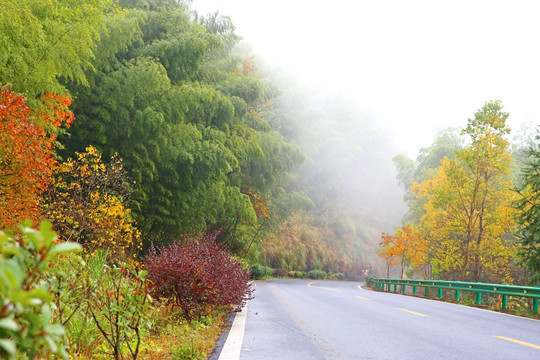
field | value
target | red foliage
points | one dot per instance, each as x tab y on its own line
197	274
27	144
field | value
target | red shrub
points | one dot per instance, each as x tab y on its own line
197	274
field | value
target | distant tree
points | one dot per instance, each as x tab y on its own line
528	216
405	248
429	159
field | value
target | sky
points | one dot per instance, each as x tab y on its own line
416	67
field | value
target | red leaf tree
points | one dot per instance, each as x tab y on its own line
27	145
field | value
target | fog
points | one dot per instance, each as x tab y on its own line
415	66
365	81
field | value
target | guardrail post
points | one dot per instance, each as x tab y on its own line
457	295
414	289
388	287
505	302
535	306
440	293
479	298
403	289
426	291
395	288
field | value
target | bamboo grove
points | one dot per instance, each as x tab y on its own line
148	120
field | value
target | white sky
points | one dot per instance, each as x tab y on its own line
417	66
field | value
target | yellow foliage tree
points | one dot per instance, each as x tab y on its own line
87	203
468	212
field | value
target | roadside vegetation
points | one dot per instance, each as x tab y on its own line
473	206
149	163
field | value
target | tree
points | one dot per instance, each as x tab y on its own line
43	40
468	209
405	248
528	216
27	144
88	203
446	143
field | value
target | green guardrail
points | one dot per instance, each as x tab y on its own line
458	286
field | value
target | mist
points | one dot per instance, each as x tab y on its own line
417	66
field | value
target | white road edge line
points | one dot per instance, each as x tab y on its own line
233	346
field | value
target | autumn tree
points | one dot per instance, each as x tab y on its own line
468	211
88	203
528	213
405	248
27	144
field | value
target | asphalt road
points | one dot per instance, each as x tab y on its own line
295	319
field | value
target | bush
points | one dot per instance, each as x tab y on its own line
316	274
336	276
297	274
280	273
369	279
259	271
28	267
197	274
103	306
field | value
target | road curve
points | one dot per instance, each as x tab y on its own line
299	319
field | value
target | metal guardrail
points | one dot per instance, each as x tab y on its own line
458	286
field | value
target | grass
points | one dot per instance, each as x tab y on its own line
172	337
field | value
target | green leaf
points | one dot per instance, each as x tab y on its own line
46	314
66	247
9	324
8	346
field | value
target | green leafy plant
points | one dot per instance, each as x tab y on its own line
259	271
119	306
187	351
27	267
316	274
370	282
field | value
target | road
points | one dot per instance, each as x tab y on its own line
298	319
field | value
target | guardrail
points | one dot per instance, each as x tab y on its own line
458	286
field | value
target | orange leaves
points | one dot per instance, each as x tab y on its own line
56	111
27	144
406	248
259	205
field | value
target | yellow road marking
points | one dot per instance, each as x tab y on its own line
364	298
412	312
322	287
518	342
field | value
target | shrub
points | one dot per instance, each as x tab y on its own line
297	274
280	273
316	274
336	276
103	306
87	202
28	265
197	274
369	281
259	271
